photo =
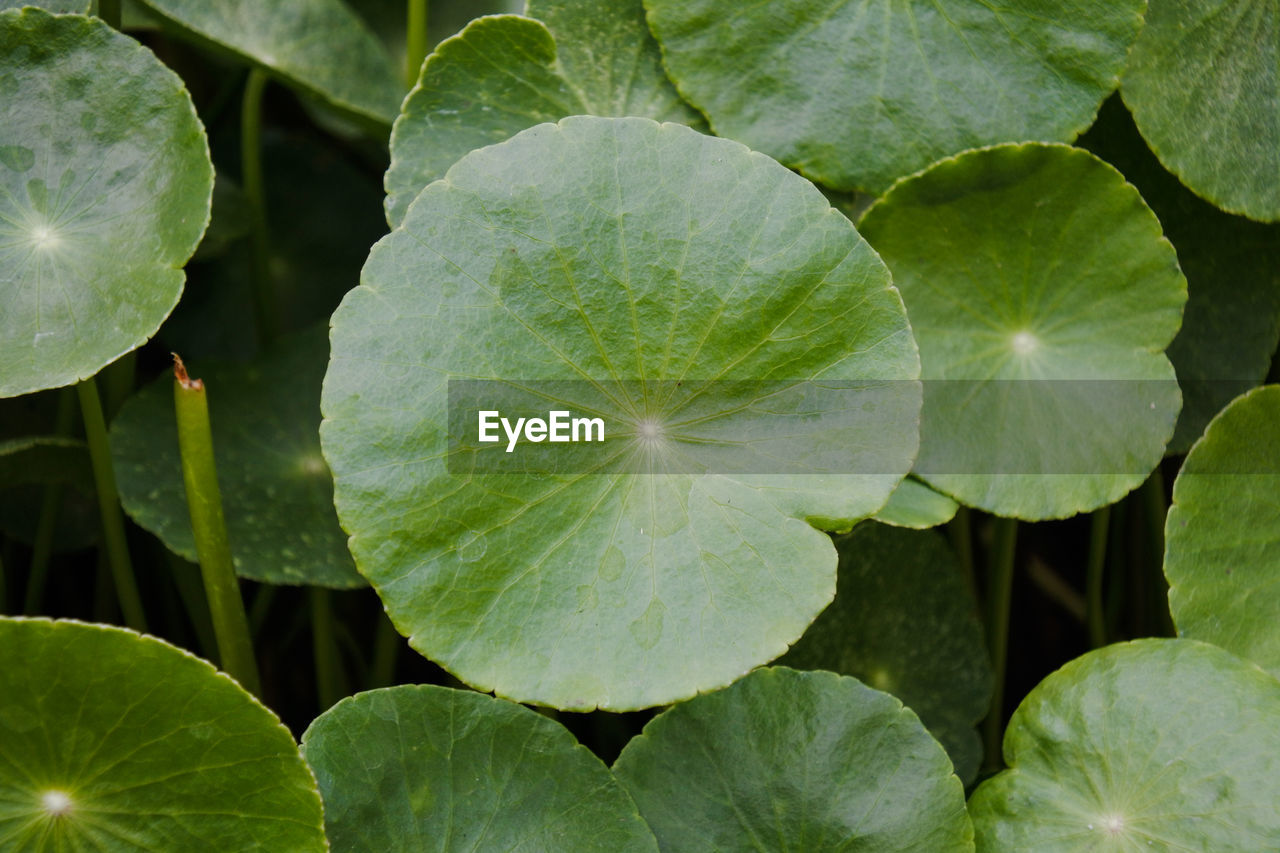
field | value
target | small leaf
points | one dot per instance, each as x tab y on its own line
787	760
1201	84
904	622
320	47
1222	535
104	193
617	258
418	767
1042	295
856	94
915	505
1149	745
114	740
505	73
1232	320
276	488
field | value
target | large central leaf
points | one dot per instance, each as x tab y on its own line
617	267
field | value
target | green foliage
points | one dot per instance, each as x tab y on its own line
855	95
104	193
447	770
1021	325
117	740
903	622
1223	532
1125	749
276	488
787	760
1035	279
658	583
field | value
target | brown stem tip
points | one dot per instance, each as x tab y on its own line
180	373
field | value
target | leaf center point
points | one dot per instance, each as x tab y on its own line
56	803
1025	343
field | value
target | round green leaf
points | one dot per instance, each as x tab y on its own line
505	73
105	183
1042	295
856	94
618	258
277	492
904	622
1202	85
1222	535
320	47
113	740
1149	745
1232	320
415	768
915	505
787	760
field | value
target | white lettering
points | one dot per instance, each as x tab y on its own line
559	426
487	424
535	429
512	434
587	425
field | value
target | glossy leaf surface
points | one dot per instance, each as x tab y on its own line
609	255
505	73
1042	295
857	94
114	740
1222	535
416	768
105	183
787	760
1201	84
1149	745
903	622
318	46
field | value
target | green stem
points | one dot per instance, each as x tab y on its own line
188	581
104	478
1097	619
415	41
109	12
1155	510
47	523
204	502
325	648
959	529
386	646
999	597
255	190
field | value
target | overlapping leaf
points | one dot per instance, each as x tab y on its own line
619	258
1201	84
320	47
276	489
915	505
113	740
1042	295
412	768
785	760
903	622
105	183
856	94
1222	535
505	73
1232	320
1150	745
